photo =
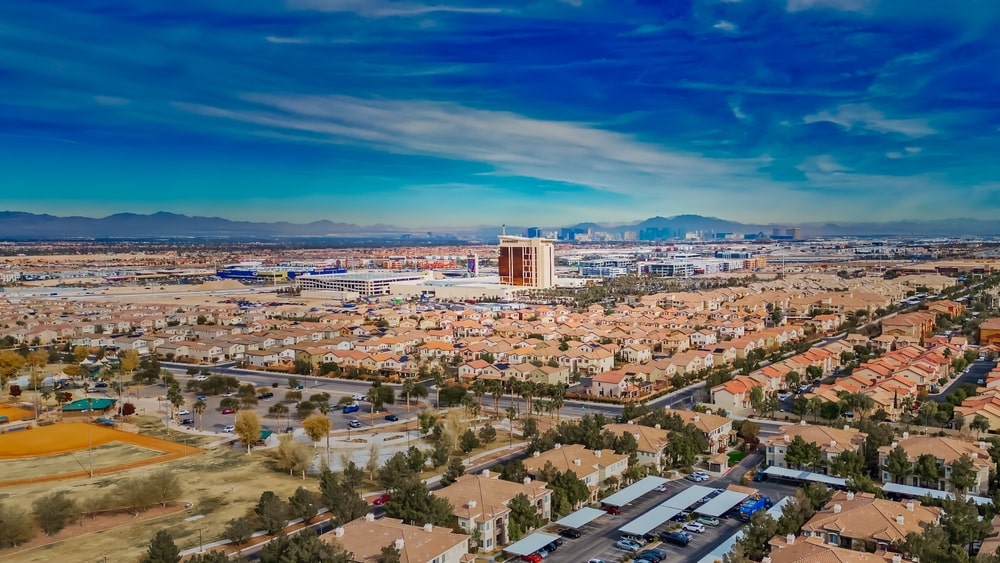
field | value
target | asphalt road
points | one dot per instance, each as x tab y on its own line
976	371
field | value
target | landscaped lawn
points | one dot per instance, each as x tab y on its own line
735	457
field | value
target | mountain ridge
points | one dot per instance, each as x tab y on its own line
24	225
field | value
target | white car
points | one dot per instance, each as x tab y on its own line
662	488
229	428
201	378
183	412
696	527
358	397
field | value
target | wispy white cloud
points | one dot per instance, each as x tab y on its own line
512	144
823	164
839	5
735	106
386	8
286	40
724	25
866	118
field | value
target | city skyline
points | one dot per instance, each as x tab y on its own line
461	114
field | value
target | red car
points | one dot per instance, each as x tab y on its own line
613	510
531	558
228	411
382	499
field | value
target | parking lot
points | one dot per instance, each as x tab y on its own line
599	537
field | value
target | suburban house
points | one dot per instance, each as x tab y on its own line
832	442
790	549
859	520
481	501
365	537
947	451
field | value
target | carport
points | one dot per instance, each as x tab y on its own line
581	517
729	543
918	492
650	520
795	475
530	543
687	497
722	503
634	491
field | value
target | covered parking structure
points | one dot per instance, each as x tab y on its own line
722	503
530	543
807	476
917	492
581	517
687	497
729	543
633	491
650	520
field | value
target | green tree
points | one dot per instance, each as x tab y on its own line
455	470
963	473
523	515
162	549
414	504
487	434
800	406
758	399
749	431
803	454
271	512
303	547
210	557
17	527
339	494
980	424
239	530
469	441
389	554
756	534
53	511
897	464
926	468
849	464
303	504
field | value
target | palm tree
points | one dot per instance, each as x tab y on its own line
558	400
479	390
496	389
527	392
199	407
512	416
815	404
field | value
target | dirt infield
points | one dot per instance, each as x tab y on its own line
60	439
14	413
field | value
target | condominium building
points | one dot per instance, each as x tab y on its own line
528	262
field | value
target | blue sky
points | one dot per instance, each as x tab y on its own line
455	112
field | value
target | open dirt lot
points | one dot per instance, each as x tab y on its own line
102	457
51	449
14	413
222	484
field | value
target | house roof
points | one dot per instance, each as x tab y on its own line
365	538
862	516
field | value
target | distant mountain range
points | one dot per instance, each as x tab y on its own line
29	226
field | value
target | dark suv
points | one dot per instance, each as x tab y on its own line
676	538
571	533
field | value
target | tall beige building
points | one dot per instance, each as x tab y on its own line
527	262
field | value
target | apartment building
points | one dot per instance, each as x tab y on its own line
592	467
857	520
718	429
946	451
832	442
481	501
652	441
365	537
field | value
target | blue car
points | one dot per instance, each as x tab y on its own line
351	408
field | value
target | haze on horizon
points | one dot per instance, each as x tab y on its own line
474	112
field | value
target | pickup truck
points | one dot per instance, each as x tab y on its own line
752	505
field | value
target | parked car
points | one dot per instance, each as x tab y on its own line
202	377
613	510
187	422
229	428
183	412
266	395
596	561
696	527
709	520
352	408
543	553
628	545
382	499
391	418
759	476
358	397
676	538
228	411
101	385
571	533
641	540
201	398
531	558
681	516
355	423
662	488
655	555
